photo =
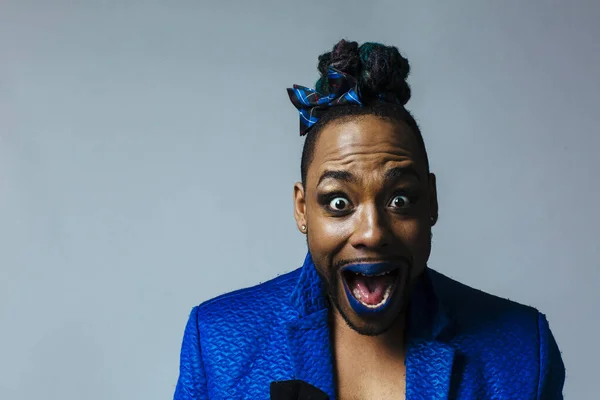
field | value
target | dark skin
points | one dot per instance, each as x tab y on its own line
378	205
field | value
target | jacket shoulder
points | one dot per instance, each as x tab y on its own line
463	302
244	329
487	325
256	303
497	339
503	343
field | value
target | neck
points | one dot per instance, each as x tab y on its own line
391	343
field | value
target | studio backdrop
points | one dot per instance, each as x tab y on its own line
148	154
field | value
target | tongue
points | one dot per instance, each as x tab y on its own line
371	288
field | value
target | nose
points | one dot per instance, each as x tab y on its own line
371	229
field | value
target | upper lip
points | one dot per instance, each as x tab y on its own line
371	268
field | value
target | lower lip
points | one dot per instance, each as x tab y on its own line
363	309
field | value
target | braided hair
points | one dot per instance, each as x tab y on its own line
381	71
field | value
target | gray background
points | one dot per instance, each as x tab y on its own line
148	153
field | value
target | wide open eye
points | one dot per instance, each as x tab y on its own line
339	204
400	201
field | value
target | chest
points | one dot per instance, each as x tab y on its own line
365	375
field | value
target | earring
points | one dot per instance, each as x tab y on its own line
432	219
303	227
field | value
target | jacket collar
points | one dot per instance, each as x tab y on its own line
308	332
309	294
428	357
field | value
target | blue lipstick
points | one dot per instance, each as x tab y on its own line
368	270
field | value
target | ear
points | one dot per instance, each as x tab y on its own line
433	201
300	207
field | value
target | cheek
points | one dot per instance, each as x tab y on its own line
326	238
326	234
415	234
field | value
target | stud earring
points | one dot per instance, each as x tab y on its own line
303	227
432	219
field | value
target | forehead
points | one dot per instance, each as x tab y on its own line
365	145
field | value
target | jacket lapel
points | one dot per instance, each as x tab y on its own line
429	359
308	333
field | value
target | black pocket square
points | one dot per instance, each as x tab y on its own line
296	390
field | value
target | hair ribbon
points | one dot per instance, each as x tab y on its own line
343	90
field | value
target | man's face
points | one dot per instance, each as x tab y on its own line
367	206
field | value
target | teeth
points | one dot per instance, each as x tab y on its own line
386	295
381	274
384	273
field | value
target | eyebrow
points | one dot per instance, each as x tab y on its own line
397	172
344	176
347	176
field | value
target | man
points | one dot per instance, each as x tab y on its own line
364	317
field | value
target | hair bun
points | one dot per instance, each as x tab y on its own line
379	69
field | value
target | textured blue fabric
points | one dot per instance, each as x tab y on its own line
462	343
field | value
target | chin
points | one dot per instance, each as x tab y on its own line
372	296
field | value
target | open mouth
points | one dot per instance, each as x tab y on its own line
369	287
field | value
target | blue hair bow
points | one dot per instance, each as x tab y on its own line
311	105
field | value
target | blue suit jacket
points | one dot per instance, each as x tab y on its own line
462	343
